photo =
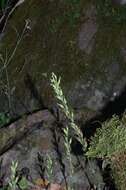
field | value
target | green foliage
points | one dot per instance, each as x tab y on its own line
62	102
4	119
109	143
23	183
67	143
12	185
55	83
13	179
107	12
49	167
109	140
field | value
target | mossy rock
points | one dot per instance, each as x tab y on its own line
50	44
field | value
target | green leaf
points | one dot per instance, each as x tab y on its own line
23	183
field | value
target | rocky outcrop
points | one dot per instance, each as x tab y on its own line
89	57
88	30
16	131
42	139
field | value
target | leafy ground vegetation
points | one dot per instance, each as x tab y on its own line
109	143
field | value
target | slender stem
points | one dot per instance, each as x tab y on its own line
8	61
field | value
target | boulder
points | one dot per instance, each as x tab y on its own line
31	152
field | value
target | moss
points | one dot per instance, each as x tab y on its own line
51	45
46	48
110	13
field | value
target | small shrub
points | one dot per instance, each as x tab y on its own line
108	140
109	143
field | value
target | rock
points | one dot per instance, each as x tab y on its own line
121	2
55	187
87	36
15	131
88	58
87	31
31	151
96	180
96	101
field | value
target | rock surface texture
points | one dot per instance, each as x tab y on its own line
33	148
89	56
